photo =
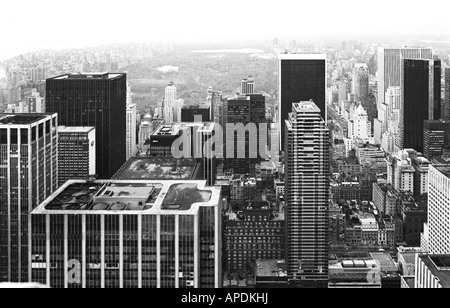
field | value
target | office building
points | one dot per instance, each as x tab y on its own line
307	195
128	234
257	233
247	86
301	77
432	271
97	100
436	135
195	113
172	105
446	107
76	153
28	175
360	83
421	100
131	130
390	64
438	209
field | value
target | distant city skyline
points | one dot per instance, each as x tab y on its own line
135	21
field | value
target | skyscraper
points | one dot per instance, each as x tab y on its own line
307	195
129	234
131	130
420	100
360	81
436	135
28	175
172	105
446	107
76	153
247	86
390	63
301	77
97	100
438	209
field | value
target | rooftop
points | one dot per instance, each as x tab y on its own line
271	268
385	260
141	168
87	76
130	197
75	129
444	170
306	106
176	128
439	266
21	118
410	281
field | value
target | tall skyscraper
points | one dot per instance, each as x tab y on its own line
307	195
438	209
129	234
247	86
420	100
97	100
301	77
76	153
446	107
390	64
360	81
172	105
28	175
131	130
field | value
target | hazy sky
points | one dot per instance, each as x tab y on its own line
29	24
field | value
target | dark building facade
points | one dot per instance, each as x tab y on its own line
302	77
421	100
436	135
97	100
257	234
191	113
446	107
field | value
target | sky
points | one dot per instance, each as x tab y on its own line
29	25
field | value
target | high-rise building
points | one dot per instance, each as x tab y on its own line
97	100
301	77
438	209
342	90
360	127
145	130
360	83
76	153
307	195
421	100
128	234
390	63
131	130
446	107
431	271
401	171
172	105
247	86
28	175
193	112
436	135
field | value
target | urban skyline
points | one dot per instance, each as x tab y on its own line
202	158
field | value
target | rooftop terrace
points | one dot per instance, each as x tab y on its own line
21	118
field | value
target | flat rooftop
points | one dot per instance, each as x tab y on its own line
271	268
444	170
130	197
88	76
439	266
21	118
143	168
386	262
176	128
306	106
75	129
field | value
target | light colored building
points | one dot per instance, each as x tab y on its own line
401	171
172	105
355	274
389	66
76	153
439	210
145	131
359	126
307	195
28	175
432	271
128	234
131	130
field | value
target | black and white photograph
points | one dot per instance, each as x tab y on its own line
238	151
